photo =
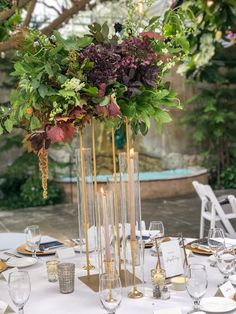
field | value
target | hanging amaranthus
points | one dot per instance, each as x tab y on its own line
43	167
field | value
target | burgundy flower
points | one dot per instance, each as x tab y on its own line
152	35
61	133
101	110
38	140
113	108
56	134
77	113
102	90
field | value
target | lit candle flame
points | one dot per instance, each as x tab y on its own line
131	152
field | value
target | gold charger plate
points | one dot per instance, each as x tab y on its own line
3	266
197	250
22	250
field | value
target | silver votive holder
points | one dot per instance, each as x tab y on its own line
66	276
52	270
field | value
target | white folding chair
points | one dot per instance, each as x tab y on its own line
212	211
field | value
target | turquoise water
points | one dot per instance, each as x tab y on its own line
149	176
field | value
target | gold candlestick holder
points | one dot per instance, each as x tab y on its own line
134	293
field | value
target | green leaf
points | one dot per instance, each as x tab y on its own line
161	94
34	123
105	30
1	130
105	101
84	41
161	118
66	93
49	70
183	42
8	124
46	91
93	91
35	83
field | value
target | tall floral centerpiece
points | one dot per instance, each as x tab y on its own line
108	75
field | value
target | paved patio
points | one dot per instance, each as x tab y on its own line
180	214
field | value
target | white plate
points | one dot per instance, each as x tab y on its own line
217	305
21	262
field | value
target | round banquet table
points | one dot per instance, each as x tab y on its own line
45	297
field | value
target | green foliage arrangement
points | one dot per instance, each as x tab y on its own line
65	83
216	27
228	178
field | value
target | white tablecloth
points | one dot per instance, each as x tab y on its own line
45	297
11	240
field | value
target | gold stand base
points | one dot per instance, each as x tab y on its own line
135	294
88	267
92	281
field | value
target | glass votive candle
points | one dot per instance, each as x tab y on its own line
158	277
66	276
52	270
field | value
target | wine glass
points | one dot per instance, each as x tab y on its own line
19	289
110	292
216	241
225	258
196	283
33	238
156	230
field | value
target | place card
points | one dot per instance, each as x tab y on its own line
5	308
172	258
65	253
172	310
5	274
226	290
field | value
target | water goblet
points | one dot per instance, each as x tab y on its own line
110	292
196	283
216	241
19	289
226	261
156	231
33	238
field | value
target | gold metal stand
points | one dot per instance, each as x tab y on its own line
116	199
134	293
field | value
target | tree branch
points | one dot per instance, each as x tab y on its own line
65	15
50	7
4	15
29	13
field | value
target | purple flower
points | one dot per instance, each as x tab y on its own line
106	62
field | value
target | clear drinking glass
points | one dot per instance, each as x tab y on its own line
33	238
19	289
225	258
216	241
156	230
196	283
110	292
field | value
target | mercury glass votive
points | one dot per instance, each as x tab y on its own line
52	270
158	280
66	276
